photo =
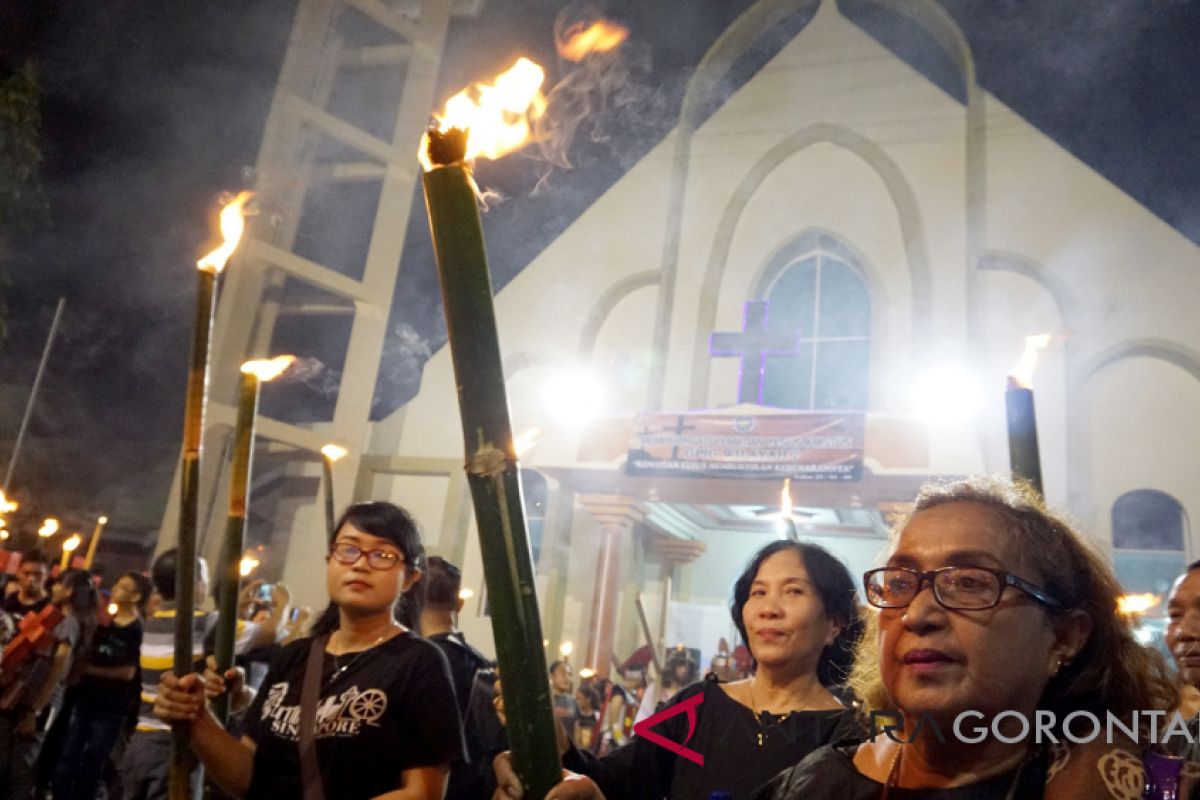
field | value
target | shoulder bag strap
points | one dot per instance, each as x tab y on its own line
310	690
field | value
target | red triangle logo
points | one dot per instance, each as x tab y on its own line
686	707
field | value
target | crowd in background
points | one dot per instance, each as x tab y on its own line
986	602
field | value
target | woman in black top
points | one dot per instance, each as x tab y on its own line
795	607
386	724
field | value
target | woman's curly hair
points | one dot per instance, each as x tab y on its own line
1112	672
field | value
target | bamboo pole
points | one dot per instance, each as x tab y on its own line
229	569
94	542
1024	455
182	758
491	461
330	453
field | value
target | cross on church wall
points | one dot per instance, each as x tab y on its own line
752	345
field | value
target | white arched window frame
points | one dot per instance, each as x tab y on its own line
822	295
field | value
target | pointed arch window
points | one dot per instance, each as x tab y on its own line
822	297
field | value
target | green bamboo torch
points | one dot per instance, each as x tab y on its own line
491	459
233	225
1024	455
254	374
330	453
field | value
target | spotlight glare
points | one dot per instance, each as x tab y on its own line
946	395
573	397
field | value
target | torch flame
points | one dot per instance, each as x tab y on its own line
1021	375
599	37
785	499
268	369
497	116
233	225
72	542
333	452
247	565
1134	604
565	649
527	441
6	505
49	528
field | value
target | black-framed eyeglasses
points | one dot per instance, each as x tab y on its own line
955	588
347	553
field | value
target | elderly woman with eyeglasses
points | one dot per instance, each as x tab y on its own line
989	611
362	710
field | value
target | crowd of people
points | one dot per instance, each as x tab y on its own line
990	630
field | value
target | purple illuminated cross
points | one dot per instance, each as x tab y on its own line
753	344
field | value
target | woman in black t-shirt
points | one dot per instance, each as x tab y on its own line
385	720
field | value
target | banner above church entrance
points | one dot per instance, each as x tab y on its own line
814	446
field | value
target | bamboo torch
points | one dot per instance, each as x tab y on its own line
1024	455
254	374
233	224
69	546
330	453
94	542
491	460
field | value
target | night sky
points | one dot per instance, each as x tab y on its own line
153	108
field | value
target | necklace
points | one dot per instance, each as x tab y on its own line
763	717
893	777
339	669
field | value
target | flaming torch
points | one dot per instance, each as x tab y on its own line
254	374
233	224
583	37
69	546
489	121
329	454
1023	454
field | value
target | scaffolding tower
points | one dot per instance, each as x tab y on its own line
336	178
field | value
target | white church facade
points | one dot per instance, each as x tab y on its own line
903	243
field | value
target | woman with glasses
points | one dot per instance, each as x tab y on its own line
362	710
990	611
795	607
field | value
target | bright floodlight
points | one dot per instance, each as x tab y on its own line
946	395
573	397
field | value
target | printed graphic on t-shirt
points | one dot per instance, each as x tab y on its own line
339	715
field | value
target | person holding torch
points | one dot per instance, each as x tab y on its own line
363	708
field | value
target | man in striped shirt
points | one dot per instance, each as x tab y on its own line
145	766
